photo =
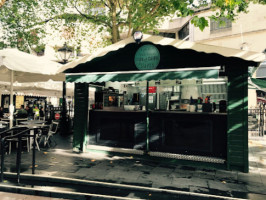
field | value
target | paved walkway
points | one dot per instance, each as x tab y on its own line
12	196
135	170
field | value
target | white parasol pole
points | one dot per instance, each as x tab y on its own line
11	106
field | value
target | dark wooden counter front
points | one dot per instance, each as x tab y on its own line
189	133
170	131
115	128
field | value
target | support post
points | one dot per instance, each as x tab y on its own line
63	126
19	159
34	151
80	116
237	118
147	119
11	105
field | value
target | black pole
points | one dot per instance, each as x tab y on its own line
33	151
63	127
147	119
19	158
2	159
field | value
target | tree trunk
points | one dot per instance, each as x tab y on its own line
114	34
114	31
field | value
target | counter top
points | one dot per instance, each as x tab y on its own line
186	112
161	112
123	111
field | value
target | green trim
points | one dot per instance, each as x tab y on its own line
149	76
259	82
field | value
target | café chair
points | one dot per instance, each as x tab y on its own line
15	140
47	137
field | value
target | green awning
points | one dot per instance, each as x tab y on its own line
142	76
258	82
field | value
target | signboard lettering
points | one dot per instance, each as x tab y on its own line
147	57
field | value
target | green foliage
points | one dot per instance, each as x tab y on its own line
200	22
24	22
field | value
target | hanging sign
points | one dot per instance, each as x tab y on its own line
147	57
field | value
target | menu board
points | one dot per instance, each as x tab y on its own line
19	101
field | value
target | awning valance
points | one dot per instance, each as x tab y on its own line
261	84
143	76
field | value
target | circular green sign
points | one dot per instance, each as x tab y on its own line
147	57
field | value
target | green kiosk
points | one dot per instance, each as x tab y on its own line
196	129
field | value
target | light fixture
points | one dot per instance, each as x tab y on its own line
138	36
65	53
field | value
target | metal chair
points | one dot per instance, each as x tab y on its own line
26	139
48	137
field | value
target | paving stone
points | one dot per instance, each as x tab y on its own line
229	176
218	185
181	182
257	189
122	175
161	170
177	173
199	182
256	196
163	181
204	174
199	189
249	178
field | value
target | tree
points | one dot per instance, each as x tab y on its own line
2	3
24	21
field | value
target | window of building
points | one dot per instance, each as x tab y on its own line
184	32
221	24
168	35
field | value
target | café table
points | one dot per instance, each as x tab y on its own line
32	124
3	125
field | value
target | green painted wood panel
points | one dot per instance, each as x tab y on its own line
81	115
237	129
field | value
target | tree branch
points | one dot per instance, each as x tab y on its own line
153	11
95	19
105	4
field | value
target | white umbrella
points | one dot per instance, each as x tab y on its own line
22	67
